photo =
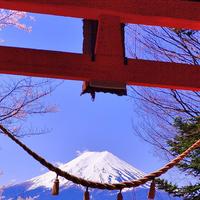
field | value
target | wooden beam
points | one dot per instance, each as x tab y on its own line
42	63
171	13
51	64
163	75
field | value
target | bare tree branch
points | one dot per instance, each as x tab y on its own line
162	106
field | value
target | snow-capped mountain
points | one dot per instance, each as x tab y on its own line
102	167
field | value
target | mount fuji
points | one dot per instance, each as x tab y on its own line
102	167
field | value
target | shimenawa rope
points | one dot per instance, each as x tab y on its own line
92	184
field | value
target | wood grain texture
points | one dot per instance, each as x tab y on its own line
171	13
52	64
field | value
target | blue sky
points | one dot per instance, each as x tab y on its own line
80	124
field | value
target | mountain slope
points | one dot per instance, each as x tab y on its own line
97	166
102	167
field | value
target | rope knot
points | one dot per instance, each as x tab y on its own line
152	191
120	196
55	189
86	195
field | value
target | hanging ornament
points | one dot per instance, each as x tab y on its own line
86	195
55	189
119	196
152	191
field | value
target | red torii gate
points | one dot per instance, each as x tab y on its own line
108	65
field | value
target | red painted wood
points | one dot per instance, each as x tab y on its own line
163	75
172	13
109	40
42	63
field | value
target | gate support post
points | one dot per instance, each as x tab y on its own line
104	42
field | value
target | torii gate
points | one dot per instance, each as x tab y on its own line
105	63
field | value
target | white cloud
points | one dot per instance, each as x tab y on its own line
78	152
59	164
1	173
43	169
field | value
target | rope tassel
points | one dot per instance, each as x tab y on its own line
55	189
152	191
119	196
86	195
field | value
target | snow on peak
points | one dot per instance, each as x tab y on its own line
102	167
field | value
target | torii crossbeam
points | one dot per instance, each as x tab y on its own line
109	64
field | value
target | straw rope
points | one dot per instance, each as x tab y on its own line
92	184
